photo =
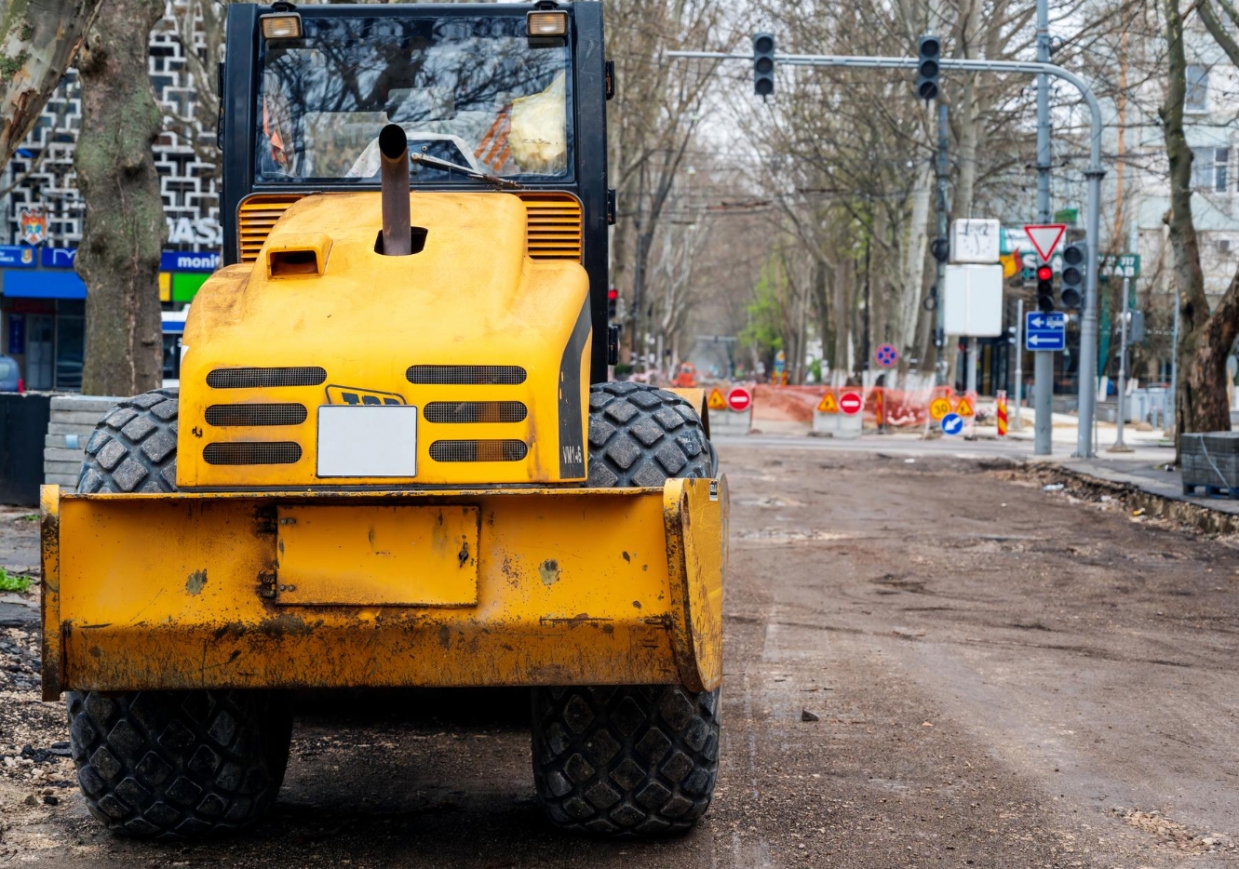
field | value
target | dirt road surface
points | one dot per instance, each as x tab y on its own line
928	663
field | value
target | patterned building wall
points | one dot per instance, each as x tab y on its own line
42	172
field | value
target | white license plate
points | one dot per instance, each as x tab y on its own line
367	441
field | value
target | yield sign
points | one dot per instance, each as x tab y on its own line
1045	238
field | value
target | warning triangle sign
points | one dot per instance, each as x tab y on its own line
716	400
828	404
964	408
1045	238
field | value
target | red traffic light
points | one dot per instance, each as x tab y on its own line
1045	273
612	294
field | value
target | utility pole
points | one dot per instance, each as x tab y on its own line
1043	371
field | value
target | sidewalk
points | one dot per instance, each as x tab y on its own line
1152	479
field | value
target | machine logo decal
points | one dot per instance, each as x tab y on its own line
360	396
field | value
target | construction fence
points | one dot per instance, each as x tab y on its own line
888	402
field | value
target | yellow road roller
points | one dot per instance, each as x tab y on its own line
395	459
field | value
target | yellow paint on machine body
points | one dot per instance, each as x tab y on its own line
318	318
452	587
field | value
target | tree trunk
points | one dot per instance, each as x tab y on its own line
1201	401
124	226
844	286
821	305
912	287
38	41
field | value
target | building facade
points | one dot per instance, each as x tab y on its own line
42	300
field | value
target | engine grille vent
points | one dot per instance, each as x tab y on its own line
269	453
478	451
256	378
255	219
553	226
255	414
465	375
475	411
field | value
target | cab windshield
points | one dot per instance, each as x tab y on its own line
475	91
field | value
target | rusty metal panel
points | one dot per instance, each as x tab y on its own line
377	556
49	544
574	586
696	515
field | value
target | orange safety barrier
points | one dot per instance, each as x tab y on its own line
787	407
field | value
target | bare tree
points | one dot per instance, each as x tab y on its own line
1205	338
652	123
38	42
124	227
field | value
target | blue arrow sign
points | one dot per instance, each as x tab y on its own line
952	424
1047	332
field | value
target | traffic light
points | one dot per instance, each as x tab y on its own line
1045	288
930	50
941	249
763	64
612	304
1075	256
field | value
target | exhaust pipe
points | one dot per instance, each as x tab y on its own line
397	229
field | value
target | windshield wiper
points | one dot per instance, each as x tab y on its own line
447	166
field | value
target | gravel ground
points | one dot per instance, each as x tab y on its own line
928	663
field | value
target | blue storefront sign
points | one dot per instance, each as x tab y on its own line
17	256
169	260
181	261
43	285
59	257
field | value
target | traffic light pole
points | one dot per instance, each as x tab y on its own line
1094	173
1043	362
943	172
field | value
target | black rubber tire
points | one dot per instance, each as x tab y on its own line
628	760
636	760
640	435
133	448
179	764
169	764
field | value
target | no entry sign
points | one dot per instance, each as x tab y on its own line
739	399
851	403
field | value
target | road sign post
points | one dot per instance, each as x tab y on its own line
1124	316
1019	363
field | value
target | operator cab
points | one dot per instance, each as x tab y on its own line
501	96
